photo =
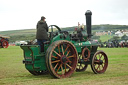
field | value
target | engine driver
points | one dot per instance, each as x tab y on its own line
41	33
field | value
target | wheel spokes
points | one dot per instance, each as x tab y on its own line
62	71
59	48
58	68
57	53
80	66
100	57
68	53
102	66
66	48
69	61
71	56
55	57
55	61
100	62
62	49
56	65
63	59
69	66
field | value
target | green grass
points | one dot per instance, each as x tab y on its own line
104	38
13	72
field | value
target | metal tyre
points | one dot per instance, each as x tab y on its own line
61	59
99	62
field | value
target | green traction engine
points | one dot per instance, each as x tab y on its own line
64	53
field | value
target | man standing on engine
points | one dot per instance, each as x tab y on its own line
41	34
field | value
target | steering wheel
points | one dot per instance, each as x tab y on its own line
52	33
55	27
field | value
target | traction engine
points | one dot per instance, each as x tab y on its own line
4	42
65	52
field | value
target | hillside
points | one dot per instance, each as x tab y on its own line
29	34
16	35
102	27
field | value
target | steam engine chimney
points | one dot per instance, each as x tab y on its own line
88	22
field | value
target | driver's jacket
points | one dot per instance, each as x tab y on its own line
42	29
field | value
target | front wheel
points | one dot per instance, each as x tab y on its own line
99	62
61	59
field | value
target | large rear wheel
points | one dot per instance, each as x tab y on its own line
61	59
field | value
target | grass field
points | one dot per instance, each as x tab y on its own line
13	72
104	38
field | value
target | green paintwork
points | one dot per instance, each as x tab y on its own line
54	56
32	52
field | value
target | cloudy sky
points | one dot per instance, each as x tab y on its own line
24	14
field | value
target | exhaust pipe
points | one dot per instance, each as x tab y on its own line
88	22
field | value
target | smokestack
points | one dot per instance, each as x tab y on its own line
88	22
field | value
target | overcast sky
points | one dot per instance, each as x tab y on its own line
24	14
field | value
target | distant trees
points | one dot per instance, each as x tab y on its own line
109	27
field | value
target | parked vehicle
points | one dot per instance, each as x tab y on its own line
4	42
66	53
